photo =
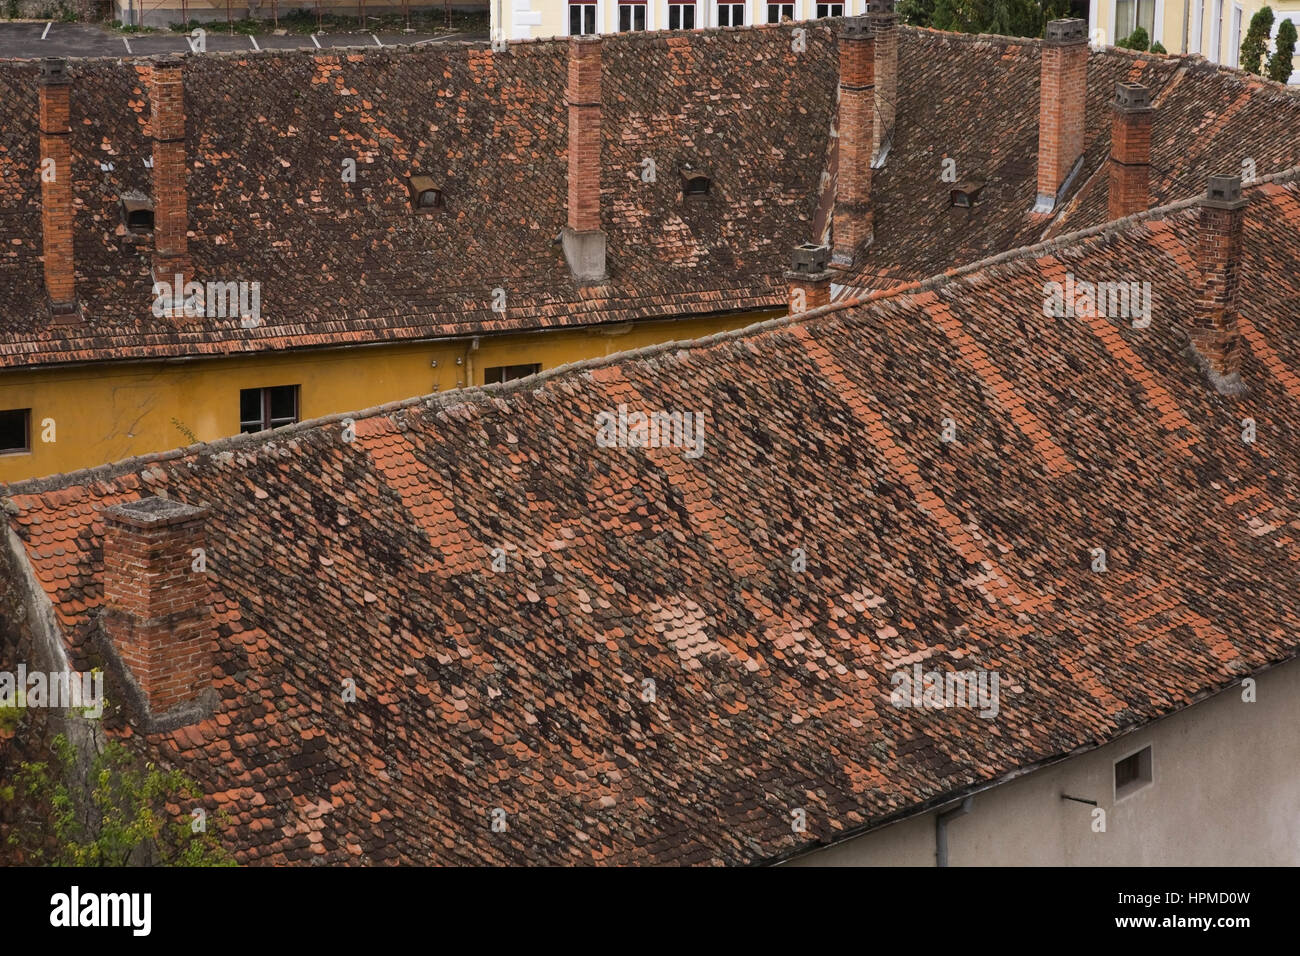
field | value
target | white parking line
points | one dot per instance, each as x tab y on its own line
253	40
128	45
315	41
47	29
376	39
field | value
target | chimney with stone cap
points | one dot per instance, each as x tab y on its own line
171	211
884	22
852	223
582	239
1130	151
56	188
1215	334
157	619
1062	101
810	279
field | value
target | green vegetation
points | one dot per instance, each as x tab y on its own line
116	816
1023	18
1279	64
1137	40
1255	45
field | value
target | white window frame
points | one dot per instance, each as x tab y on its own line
696	5
1216	31
1236	20
1197	30
649	5
600	13
1116	797
749	17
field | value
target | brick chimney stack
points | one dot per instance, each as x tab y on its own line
1062	97
1130	151
157	616
852	225
56	188
885	24
810	279
582	239
1215	334
171	211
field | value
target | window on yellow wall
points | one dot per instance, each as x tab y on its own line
1131	14
582	19
15	431
830	10
508	373
776	12
631	15
731	14
681	16
263	408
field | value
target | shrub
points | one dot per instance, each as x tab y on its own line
1279	64
1255	45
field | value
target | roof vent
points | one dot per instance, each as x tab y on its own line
1132	96
963	195
137	214
809	259
54	69
1224	192
426	195
1066	31
694	182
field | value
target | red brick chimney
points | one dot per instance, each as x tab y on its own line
583	240
852	228
171	212
1215	335
885	24
1062	96
56	189
810	280
1130	151
157	617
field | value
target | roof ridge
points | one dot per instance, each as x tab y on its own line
478	394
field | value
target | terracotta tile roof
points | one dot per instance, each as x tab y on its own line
522	689
342	263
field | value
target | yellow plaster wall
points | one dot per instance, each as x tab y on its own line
113	411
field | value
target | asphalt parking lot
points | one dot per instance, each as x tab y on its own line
28	40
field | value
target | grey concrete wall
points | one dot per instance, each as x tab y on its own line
1225	791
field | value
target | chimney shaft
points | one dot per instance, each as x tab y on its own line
56	188
885	25
583	240
810	279
1130	150
1062	98
156	613
171	212
1215	335
852	226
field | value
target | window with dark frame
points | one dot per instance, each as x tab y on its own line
263	408
15	431
830	10
731	14
631	16
681	16
776	12
508	373
1133	772
582	19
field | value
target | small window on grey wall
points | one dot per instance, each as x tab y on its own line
1133	773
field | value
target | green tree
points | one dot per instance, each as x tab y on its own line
115	816
918	13
1279	64
1158	47
1255	45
